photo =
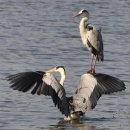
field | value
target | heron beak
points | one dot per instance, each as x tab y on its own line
52	70
78	14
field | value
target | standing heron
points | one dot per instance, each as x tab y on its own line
91	38
89	90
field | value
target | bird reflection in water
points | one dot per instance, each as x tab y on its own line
72	124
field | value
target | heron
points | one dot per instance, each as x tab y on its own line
89	89
91	37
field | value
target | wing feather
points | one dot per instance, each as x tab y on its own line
41	83
90	89
109	84
94	40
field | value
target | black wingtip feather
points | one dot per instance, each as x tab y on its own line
35	80
24	81
112	84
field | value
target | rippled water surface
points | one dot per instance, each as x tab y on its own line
39	34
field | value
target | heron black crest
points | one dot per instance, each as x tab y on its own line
60	67
84	11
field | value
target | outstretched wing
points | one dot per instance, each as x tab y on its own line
95	42
109	84
90	89
41	83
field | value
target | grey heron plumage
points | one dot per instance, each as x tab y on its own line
91	38
89	90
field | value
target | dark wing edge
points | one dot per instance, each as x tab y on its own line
100	56
106	84
35	82
109	84
25	81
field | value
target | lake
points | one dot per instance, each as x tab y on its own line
40	34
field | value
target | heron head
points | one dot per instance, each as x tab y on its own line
82	13
60	69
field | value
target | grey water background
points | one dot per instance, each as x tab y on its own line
39	34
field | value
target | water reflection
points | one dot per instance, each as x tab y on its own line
37	34
75	124
83	124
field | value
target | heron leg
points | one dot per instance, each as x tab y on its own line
91	70
94	62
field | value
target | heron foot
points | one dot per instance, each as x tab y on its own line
91	71
67	118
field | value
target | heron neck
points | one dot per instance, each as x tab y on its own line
82	27
62	80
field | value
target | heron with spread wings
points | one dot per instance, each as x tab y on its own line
88	91
91	38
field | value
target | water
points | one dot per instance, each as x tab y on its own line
39	34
